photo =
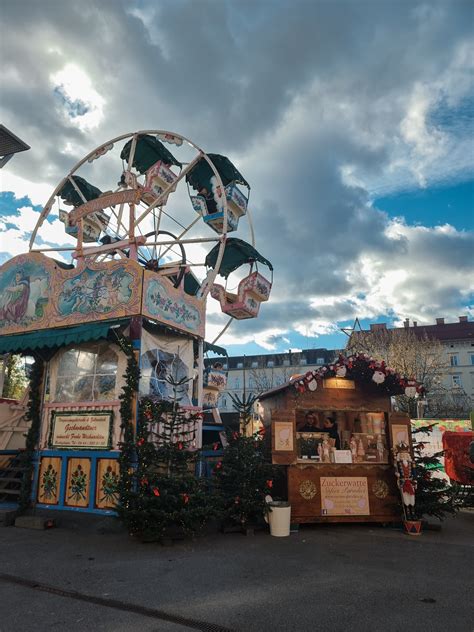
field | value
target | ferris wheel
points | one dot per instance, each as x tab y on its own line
155	197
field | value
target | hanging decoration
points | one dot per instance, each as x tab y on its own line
360	368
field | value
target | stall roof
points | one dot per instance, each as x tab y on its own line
360	368
52	338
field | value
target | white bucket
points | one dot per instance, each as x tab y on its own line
279	518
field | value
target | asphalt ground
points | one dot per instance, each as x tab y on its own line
88	575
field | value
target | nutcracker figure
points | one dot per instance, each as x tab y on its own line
405	473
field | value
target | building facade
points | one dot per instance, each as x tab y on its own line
457	340
253	374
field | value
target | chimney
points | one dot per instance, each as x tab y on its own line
378	326
463	319
415	323
440	321
406	324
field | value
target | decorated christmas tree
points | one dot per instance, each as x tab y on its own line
244	476
166	498
434	496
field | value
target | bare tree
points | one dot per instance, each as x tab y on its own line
416	356
265	379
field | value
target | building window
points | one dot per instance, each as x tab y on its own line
224	402
319	360
237	383
240	365
303	361
254	364
286	362
472	358
225	366
270	364
87	374
457	382
454	360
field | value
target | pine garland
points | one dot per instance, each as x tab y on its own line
128	457
33	415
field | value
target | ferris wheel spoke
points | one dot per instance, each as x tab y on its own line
186	230
167	190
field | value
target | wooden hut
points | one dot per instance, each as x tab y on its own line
335	429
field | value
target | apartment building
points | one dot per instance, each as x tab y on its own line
458	341
252	374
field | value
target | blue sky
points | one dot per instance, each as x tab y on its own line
360	154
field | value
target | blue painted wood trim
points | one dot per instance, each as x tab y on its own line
101	512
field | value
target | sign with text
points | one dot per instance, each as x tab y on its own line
344	496
338	382
81	431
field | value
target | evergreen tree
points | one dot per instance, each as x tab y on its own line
434	496
245	475
166	496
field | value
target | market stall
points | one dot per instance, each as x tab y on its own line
335	430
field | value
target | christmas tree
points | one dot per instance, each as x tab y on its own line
244	476
166	498
434	496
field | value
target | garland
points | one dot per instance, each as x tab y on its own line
128	457
33	414
361	368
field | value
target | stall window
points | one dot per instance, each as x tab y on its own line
341	437
87	373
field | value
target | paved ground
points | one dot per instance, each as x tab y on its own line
325	578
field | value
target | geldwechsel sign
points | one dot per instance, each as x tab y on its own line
91	430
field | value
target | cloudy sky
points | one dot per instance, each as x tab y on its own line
351	120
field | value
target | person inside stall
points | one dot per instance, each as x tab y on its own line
311	423
330	426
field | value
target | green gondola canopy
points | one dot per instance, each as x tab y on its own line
148	151
69	194
236	253
200	175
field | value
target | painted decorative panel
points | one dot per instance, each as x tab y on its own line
24	292
97	292
106	492
48	480
163	302
37	293
78	482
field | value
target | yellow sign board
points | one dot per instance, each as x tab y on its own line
344	496
85	431
338	382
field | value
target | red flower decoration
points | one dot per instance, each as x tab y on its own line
140	442
270	483
235	435
215	446
144	481
218	465
180	446
185	498
262	431
156	491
